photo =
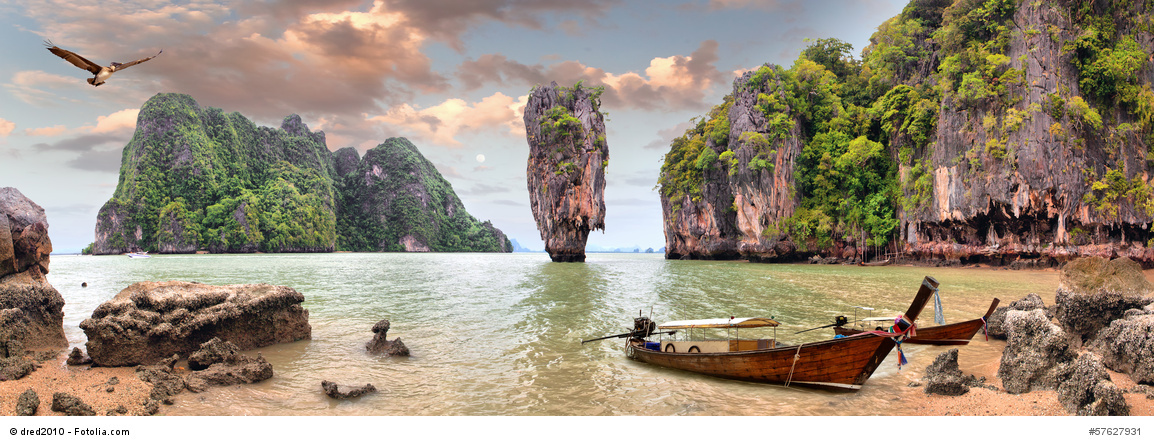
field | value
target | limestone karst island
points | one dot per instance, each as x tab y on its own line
841	212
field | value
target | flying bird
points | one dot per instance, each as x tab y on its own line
100	73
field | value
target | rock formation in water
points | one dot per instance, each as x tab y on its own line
566	169
151	321
379	345
1016	136
394	199
31	310
197	178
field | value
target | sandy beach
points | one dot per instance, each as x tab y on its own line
90	384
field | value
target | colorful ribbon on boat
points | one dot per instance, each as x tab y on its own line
985	328
902	329
901	356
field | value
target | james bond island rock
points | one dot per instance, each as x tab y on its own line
1093	292
31	310
150	321
197	178
1018	136
566	170
394	199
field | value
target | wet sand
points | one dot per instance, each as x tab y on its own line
90	384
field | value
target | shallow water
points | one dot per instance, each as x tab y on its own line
500	334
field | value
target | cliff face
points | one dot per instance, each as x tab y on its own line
1073	177
990	131
566	169
394	199
31	310
196	178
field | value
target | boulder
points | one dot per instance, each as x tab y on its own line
149	321
1092	292
334	390
1127	345
380	346
70	405
1086	389
13	363
77	357
994	323
165	382
24	242
1034	349
943	376
28	403
219	363
211	352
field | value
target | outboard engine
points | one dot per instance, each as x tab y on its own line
642	327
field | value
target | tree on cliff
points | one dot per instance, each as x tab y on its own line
970	123
198	179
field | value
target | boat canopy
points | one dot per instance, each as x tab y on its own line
880	318
733	322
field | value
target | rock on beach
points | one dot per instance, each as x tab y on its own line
150	321
31	310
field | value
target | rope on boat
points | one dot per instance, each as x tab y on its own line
796	356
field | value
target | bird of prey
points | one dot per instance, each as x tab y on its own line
100	74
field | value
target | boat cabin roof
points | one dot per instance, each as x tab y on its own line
879	318
721	322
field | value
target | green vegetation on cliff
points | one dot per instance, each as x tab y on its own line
196	178
868	128
397	201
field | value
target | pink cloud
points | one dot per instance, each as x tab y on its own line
669	83
6	127
440	124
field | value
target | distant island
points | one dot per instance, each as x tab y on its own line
198	179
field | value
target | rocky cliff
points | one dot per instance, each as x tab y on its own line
394	199
566	168
196	178
998	131
31	310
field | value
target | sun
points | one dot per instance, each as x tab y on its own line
480	158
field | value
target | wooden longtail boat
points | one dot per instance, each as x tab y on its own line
843	363
958	333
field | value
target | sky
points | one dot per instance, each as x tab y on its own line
451	76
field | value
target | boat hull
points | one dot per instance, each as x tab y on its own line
951	334
844	363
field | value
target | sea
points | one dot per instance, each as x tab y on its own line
501	334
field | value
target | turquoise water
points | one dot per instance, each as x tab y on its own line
500	334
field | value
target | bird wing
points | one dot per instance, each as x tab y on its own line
117	66
74	59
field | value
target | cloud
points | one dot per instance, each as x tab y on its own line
72	209
35	87
97	161
485	189
6	127
764	5
447	20
46	131
668	83
441	123
82	143
665	137
510	203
